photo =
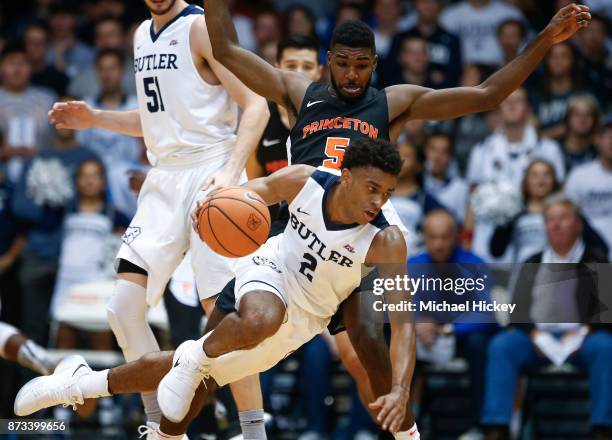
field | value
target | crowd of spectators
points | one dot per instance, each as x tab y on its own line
473	190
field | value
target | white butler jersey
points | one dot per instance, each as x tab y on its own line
184	119
322	259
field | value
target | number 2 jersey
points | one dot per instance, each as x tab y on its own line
322	260
184	119
326	125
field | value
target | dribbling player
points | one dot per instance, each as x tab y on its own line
286	293
188	117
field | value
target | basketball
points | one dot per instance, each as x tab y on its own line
234	222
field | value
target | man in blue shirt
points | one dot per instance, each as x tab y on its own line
445	260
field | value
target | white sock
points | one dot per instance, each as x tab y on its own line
197	351
161	436
7	331
411	434
252	424
94	385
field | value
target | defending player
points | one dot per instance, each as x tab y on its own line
188	117
286	293
327	118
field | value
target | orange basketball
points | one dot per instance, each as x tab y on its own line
234	222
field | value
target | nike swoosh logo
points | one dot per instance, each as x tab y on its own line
311	103
78	368
270	142
302	212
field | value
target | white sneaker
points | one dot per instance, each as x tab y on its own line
150	430
58	389
176	390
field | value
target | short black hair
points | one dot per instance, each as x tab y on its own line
297	41
515	22
377	153
110	52
441	134
13	48
354	33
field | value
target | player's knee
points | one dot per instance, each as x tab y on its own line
126	308
261	317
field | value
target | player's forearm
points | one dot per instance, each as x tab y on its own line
124	122
253	71
403	354
252	125
510	77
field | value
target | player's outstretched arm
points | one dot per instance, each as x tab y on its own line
388	253
283	87
78	115
284	184
421	103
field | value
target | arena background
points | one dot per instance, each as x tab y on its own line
474	167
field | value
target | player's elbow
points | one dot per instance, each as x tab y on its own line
489	97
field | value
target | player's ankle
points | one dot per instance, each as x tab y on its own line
410	434
252	424
94	385
159	435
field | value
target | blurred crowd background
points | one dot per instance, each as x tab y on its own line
529	181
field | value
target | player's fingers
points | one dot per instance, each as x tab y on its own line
60	125
583	24
584	8
397	421
377	404
382	414
583	16
390	418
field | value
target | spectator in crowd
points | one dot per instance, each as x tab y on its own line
589	186
36	42
387	14
414	131
560	78
440	177
87	230
511	37
581	120
525	233
44	191
301	20
597	57
445	259
505	155
23	111
444	48
67	53
410	199
267	28
475	22
118	152
414	65
549	296
109	34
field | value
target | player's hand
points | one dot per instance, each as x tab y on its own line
391	409
220	180
567	21
73	115
195	215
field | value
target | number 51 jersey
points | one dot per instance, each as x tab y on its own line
184	119
322	260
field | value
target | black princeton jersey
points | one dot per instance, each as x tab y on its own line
326	125
272	148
